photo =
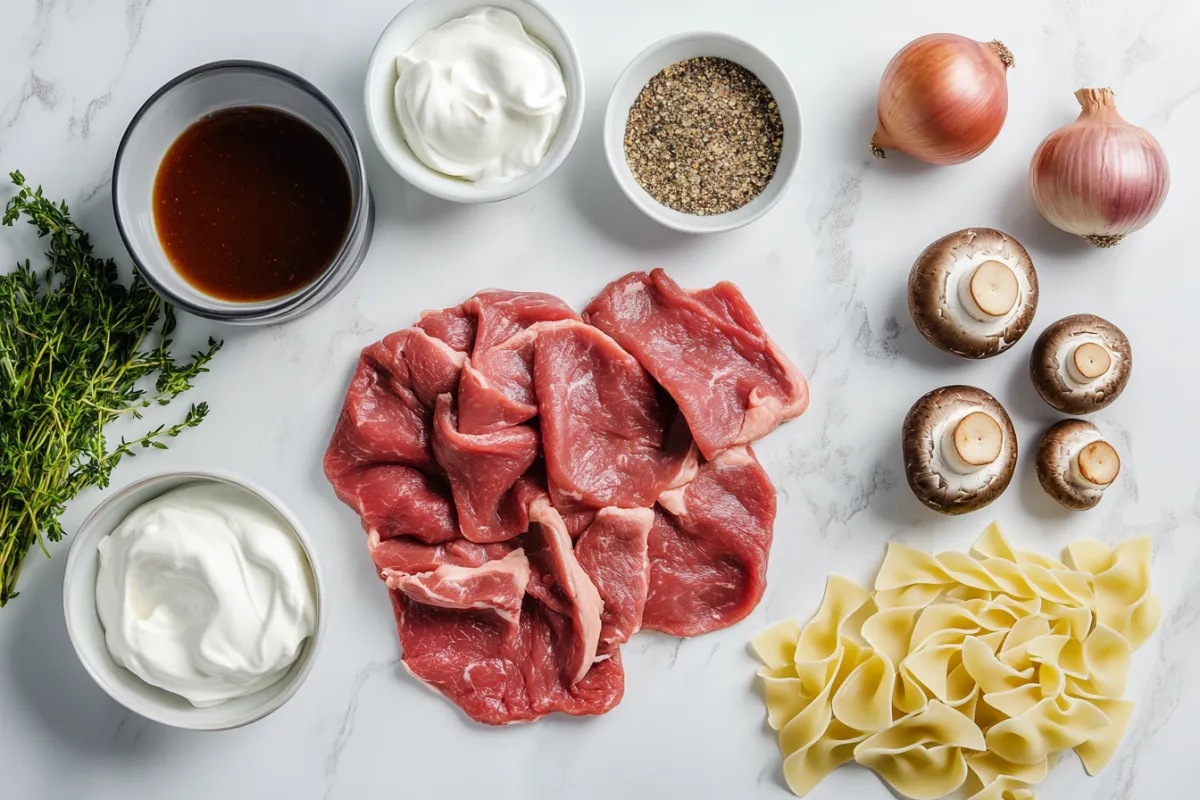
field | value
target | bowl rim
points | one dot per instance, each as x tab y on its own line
134	703
455	190
614	147
268	311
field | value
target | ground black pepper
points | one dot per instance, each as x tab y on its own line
704	136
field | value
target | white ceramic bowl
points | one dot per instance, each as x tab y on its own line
678	48
169	112
87	634
413	22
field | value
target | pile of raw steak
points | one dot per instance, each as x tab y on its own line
538	486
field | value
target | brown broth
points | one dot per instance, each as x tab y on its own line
251	204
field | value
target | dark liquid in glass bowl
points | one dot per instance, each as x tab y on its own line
251	204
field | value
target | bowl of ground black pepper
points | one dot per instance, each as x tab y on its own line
703	132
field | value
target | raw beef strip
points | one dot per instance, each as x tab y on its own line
387	413
496	389
578	521
709	545
395	500
492	316
562	585
454	326
709	351
410	556
498	677
483	471
608	439
613	553
473	633
496	586
502	314
546	636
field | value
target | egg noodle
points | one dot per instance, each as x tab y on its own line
975	669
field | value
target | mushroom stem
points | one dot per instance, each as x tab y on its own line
1097	465
991	292
975	442
1088	362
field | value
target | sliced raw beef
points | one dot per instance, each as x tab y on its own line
388	409
709	545
578	521
394	500
502	314
410	556
496	389
474	634
495	674
533	497
562	585
483	472
546	636
492	316
496	586
709	351
609	439
613	552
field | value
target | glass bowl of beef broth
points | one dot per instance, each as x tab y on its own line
241	194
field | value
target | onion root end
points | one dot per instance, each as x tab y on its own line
1002	52
1105	241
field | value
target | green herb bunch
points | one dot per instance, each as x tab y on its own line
73	356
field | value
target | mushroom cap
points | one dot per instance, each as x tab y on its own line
921	440
933	292
1051	377
1058	447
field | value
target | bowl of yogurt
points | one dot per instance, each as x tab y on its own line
474	102
193	599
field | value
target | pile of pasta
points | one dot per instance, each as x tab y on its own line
959	669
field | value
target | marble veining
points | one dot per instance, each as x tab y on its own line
826	271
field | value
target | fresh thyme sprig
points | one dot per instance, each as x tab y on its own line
71	361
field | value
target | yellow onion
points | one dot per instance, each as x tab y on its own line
943	99
1099	177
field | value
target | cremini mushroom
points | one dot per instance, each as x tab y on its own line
973	293
1080	364
1075	464
959	448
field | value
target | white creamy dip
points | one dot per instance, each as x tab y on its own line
478	98
205	592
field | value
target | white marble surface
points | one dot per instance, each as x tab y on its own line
825	270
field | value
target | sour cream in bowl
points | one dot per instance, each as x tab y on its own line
474	101
193	599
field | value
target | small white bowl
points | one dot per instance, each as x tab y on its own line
87	633
413	22
678	48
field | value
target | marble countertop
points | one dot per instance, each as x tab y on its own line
826	271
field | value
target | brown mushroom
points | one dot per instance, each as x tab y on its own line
1075	464
959	449
1080	364
973	293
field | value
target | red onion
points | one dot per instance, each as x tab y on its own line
1099	177
943	98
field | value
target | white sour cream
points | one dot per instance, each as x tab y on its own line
478	98
205	592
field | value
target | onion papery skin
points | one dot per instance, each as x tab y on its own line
1100	177
943	99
